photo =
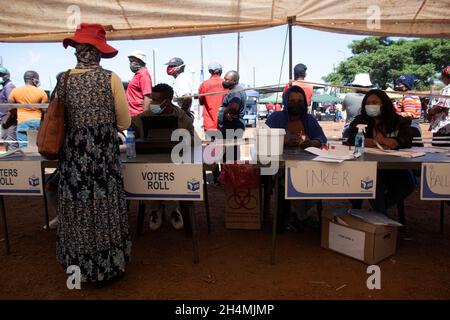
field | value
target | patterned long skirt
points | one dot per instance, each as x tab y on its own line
93	231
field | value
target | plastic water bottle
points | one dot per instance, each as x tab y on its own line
360	139
131	144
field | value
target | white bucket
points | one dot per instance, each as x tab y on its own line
270	142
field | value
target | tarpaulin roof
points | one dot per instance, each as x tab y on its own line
52	20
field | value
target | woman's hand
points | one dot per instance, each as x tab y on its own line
370	143
292	140
310	143
389	143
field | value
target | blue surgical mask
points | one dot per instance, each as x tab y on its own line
156	108
373	110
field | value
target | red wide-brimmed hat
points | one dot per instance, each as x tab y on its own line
93	34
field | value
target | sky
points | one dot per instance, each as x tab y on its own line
262	50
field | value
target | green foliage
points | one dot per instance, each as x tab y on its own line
385	60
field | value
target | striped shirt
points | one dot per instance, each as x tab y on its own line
409	107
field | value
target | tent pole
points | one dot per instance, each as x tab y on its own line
238	49
290	21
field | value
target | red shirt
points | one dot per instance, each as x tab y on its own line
211	103
305	86
139	86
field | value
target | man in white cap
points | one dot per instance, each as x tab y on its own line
182	85
352	101
140	87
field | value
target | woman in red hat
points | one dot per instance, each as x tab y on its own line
93	231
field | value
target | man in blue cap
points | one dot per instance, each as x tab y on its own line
409	106
8	128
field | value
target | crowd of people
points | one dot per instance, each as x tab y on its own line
92	219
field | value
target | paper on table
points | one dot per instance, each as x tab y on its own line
403	154
332	154
29	150
374	218
8	153
325	159
23	151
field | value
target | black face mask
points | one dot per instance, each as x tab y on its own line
227	85
135	66
295	109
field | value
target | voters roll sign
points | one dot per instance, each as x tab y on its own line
20	178
435	181
320	180
163	181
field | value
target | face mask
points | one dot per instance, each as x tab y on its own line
156	108
135	67
295	109
172	70
373	110
36	82
227	84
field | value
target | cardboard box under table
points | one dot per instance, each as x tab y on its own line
354	237
242	197
243	208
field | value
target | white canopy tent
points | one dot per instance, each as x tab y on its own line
52	20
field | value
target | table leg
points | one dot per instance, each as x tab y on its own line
44	183
184	208
205	192
191	211
267	195
275	219
5	226
140	218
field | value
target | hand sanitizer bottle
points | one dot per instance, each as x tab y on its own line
359	140
131	144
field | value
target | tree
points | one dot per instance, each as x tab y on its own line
385	59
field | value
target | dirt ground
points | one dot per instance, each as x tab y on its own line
234	264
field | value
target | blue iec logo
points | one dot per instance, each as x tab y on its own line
33	181
193	185
367	183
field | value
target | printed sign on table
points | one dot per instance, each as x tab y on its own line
158	181
435	181
20	178
319	180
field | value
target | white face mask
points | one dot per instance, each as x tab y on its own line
373	110
156	108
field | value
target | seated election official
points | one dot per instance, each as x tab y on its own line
302	131
388	130
161	105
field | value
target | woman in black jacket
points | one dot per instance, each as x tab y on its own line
390	131
384	125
